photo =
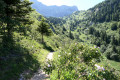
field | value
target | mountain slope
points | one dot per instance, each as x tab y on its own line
99	25
53	11
109	10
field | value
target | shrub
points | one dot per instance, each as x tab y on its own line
76	62
114	26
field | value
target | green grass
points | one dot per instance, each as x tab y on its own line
55	55
41	57
111	63
27	56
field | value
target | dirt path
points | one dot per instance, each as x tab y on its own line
50	56
40	75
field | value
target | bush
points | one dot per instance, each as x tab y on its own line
103	48
114	26
115	56
77	62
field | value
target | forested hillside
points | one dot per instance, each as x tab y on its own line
91	27
106	11
86	44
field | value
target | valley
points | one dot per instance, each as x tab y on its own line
75	45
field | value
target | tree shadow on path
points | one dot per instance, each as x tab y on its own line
14	61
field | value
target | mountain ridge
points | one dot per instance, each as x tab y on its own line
53	11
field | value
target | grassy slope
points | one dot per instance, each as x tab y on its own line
28	57
111	63
28	54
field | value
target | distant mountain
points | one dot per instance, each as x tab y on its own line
53	11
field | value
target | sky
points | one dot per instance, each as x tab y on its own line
81	4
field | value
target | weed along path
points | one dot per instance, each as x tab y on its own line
40	75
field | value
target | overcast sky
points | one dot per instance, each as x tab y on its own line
81	4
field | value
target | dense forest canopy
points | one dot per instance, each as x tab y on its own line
108	10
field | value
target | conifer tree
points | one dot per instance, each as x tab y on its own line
64	29
119	40
44	28
15	13
113	40
71	34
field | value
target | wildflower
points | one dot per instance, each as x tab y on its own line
75	43
98	47
95	46
49	65
58	55
99	68
96	51
80	52
103	69
69	53
93	61
89	73
104	79
32	46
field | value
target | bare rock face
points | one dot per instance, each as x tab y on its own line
53	11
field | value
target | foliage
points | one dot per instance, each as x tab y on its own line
27	54
44	28
24	58
114	26
74	61
108	10
71	35
15	13
78	62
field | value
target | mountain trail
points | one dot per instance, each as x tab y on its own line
40	74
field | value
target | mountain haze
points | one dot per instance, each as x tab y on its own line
53	11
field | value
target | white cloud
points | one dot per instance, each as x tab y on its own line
52	2
81	4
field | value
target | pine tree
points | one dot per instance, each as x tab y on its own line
15	13
44	28
114	26
71	35
64	29
2	10
119	40
113	40
91	30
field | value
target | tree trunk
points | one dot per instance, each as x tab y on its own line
58	74
9	36
42	39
